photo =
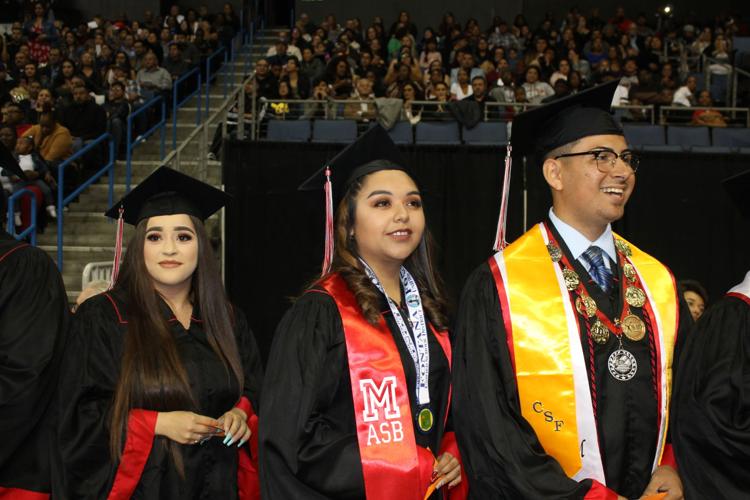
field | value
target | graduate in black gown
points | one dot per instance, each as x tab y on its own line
711	408
564	338
347	413
161	379
34	322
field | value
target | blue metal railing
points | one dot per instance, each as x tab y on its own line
131	144
31	230
177	102
63	200
210	77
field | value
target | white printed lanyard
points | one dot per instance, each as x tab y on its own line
420	353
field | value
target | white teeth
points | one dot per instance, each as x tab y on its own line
613	190
400	233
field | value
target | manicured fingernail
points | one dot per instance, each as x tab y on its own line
439	485
241	443
227	439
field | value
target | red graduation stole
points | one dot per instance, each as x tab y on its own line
393	466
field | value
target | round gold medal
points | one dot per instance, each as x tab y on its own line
629	271
554	252
635	297
571	279
633	327
586	305
599	332
623	247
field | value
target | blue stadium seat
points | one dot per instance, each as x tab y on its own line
487	134
334	131
733	138
401	133
288	130
437	133
647	138
688	137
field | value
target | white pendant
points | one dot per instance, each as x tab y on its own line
622	365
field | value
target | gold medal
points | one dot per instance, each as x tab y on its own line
629	271
635	297
586	306
571	279
599	332
623	247
554	252
633	327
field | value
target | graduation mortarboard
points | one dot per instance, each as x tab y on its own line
372	152
542	129
164	192
168	192
738	187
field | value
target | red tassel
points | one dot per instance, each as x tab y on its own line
328	254
118	251
500	241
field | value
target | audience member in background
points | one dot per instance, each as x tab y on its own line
410	92
321	91
340	76
117	108
232	121
85	119
37	173
462	88
265	82
478	92
311	67
91	76
94	288
465	62
429	55
6	84
695	296
364	111
707	117
298	84
174	62
563	71
152	78
435	76
281	109
684	96
580	65
52	140
13	115
41	33
536	90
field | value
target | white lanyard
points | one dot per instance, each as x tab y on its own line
420	353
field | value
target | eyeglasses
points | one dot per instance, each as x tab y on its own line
606	158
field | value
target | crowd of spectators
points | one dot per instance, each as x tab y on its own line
502	61
62	85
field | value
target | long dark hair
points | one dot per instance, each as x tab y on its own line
152	375
419	263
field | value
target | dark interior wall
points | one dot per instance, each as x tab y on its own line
136	8
679	213
430	13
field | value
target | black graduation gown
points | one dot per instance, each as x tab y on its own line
34	321
89	378
501	452
308	440
711	404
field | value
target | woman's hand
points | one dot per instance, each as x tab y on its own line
449	468
186	427
234	423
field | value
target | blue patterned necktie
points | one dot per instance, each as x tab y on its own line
593	256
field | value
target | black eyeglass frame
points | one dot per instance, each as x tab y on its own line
632	163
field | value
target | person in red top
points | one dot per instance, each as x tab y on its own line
356	401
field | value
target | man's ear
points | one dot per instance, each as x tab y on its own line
552	170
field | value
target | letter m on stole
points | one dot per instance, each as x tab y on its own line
377	397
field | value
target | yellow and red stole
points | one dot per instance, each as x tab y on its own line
393	465
544	342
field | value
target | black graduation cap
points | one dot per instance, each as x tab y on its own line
738	187
9	163
542	129
373	151
169	192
